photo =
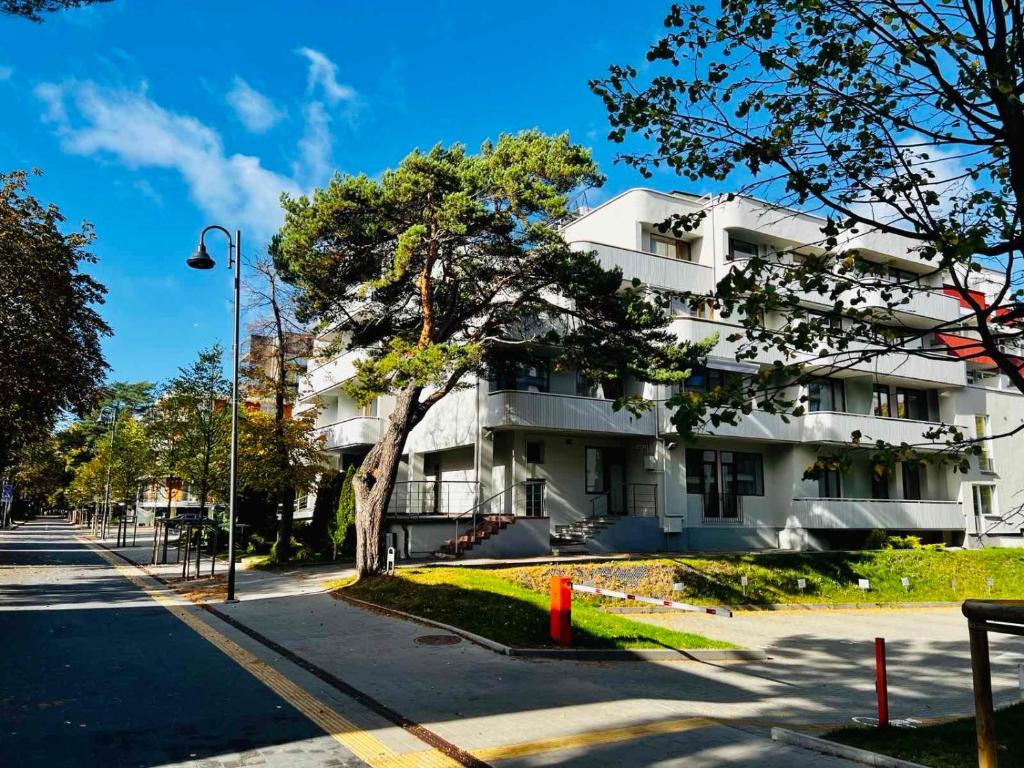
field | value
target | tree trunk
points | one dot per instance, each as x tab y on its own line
283	544
375	481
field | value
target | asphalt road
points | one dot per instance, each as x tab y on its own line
94	672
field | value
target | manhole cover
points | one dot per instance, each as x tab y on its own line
438	640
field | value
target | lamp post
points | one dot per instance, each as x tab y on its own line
113	410
201	260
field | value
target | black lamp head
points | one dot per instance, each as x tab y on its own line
200	259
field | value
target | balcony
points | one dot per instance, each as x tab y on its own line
359	430
817	427
564	413
327	375
924	303
650	269
892	514
938	370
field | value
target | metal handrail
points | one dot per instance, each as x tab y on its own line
474	510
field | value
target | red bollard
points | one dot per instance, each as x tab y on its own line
561	610
881	683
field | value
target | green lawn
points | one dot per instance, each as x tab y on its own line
948	745
485	603
772	578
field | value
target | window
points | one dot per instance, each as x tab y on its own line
669	247
882	400
595	471
701	471
534	451
879	484
902	276
826	395
829	486
741	249
981	431
586	386
370	409
522	377
912	481
742	473
704	379
984	500
912	404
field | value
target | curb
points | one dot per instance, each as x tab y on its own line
826	747
572	654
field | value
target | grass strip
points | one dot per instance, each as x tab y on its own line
485	603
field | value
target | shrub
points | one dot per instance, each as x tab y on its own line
877	539
345	515
903	542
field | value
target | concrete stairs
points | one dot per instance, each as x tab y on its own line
486	527
571	539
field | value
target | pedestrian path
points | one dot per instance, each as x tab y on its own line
514	712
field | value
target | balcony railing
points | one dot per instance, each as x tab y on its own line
633	499
905	365
359	430
816	427
892	514
565	413
651	269
433	497
323	376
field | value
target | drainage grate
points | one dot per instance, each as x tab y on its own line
438	640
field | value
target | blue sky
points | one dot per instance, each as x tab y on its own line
151	118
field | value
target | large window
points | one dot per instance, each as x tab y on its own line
829	485
707	379
912	404
882	401
984	500
742	473
879	484
826	395
741	249
912	481
669	247
731	472
522	377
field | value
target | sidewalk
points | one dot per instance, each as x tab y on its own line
519	712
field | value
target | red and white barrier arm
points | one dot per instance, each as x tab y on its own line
652	600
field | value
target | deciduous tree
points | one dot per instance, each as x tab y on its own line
898	120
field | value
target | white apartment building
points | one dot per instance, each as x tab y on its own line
536	458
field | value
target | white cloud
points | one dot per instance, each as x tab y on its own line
316	144
6	73
127	124
324	72
256	111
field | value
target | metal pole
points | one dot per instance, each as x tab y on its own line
234	420
110	461
881	683
983	712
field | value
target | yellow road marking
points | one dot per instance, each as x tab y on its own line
591	738
576	740
362	744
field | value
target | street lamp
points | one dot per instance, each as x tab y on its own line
109	412
201	260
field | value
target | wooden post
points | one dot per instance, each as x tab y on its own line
561	610
984	716
881	683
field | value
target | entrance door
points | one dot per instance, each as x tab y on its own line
730	503
615	480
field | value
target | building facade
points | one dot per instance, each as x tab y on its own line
535	457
